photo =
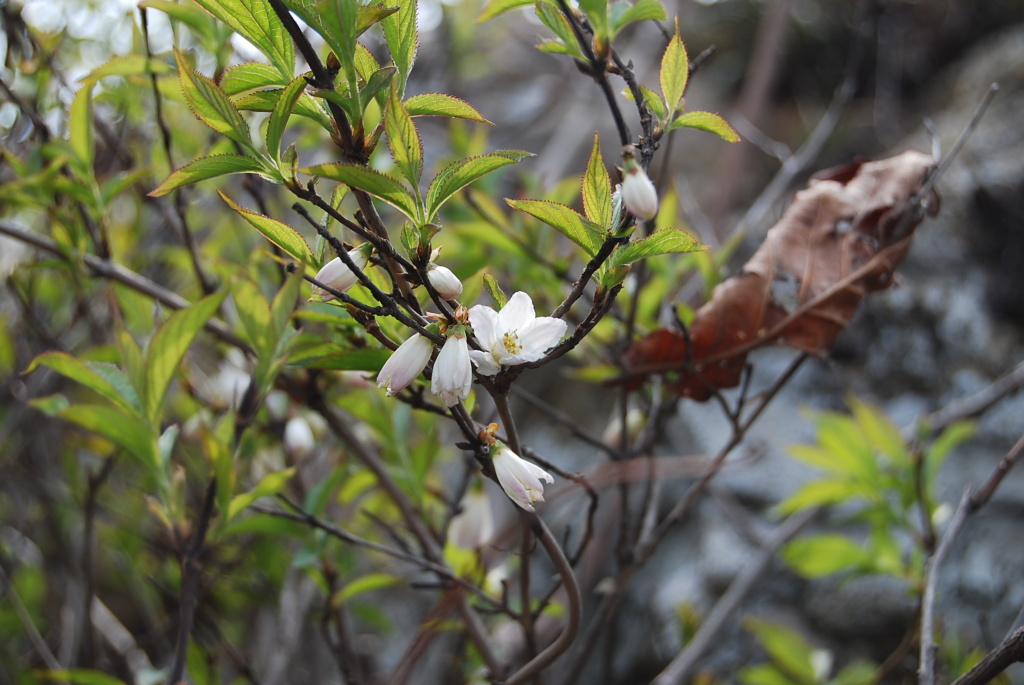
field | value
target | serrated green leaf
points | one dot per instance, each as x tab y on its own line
370	15
817	556
105	379
879	430
597	189
80	126
373	182
265	100
403	139
667	241
706	121
270	484
566	221
675	71
212	105
251	76
167	348
400	33
442	105
127	65
256	21
254	312
785	647
279	117
623	14
495	7
596	12
371	581
206	168
495	291
461	173
847	446
190	15
376	86
553	18
277	232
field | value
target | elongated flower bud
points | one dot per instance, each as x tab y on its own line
338	276
446	283
639	194
405	364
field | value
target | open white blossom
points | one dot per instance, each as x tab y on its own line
520	479
336	274
453	372
405	364
514	335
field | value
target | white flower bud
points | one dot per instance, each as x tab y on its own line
446	283
337	275
639	194
298	437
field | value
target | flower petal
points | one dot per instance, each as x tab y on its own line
484	321
539	335
485	363
516	313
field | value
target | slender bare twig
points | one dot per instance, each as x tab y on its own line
1010	651
681	667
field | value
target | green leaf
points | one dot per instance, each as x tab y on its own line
843	440
442	105
495	7
495	291
817	556
80	676
376	85
254	312
105	379
251	76
946	442
596	12
624	13
265	101
279	117
367	583
566	221
786	647
401	36
675	70
553	18
212	105
655	102
706	121
127	65
80	126
373	182
167	348
597	189
403	139
255	21
277	232
461	173
131	358
125	430
763	674
820	493
188	14
329	357
666	241
883	435
205	168
270	484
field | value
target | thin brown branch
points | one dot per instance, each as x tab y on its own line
1010	651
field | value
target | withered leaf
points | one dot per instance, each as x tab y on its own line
842	238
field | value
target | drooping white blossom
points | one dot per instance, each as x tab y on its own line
514	335
298	437
520	479
453	372
338	276
405	364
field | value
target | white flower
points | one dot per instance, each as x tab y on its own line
514	335
446	283
473	526
298	437
405	364
453	373
336	274
520	479
639	194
